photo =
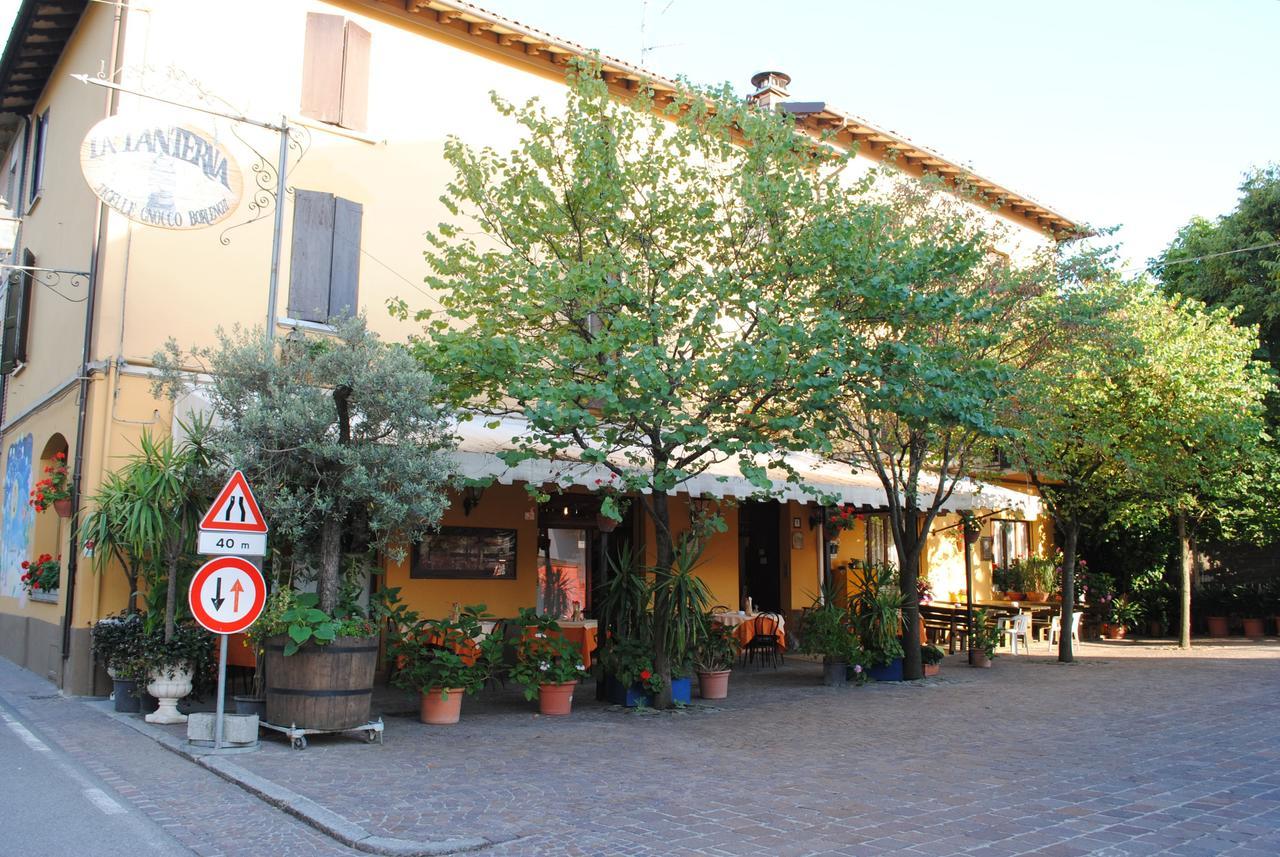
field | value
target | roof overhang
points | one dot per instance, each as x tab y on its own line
40	33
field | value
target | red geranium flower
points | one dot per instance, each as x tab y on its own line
645	675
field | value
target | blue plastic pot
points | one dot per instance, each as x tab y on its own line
891	671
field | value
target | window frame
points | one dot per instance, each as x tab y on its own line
39	146
1001	530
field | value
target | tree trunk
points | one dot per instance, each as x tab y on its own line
912	666
171	596
131	572
330	562
661	607
1071	534
1184	548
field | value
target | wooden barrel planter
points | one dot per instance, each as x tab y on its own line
321	687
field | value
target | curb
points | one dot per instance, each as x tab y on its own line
302	808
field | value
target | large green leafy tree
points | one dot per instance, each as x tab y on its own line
638	284
935	325
1234	261
342	436
1148	406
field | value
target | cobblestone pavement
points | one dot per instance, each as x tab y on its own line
204	813
1137	750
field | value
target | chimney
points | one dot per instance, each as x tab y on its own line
771	88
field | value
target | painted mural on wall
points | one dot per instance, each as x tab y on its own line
19	518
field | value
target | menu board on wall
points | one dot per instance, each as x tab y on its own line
480	553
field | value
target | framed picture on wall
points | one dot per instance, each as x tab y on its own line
986	548
470	553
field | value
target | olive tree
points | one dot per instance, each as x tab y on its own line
341	435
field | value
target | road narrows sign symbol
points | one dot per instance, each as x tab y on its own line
235	510
227	594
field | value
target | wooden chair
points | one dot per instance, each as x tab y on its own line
764	640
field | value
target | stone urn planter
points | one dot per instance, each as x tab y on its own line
440	706
714	685
1218	626
168	685
556	700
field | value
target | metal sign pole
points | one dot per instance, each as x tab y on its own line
222	692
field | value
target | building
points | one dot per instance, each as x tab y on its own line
369	91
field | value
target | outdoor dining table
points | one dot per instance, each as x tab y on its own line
583	635
744	625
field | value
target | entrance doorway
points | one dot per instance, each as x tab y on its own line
759	554
573	552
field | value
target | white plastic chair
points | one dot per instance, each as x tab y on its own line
1014	627
1055	628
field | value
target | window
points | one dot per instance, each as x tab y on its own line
39	137
880	548
1012	541
17	312
335	71
324	268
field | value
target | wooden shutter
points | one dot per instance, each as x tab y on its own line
311	257
17	311
344	273
322	67
355	78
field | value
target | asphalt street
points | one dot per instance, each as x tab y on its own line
53	806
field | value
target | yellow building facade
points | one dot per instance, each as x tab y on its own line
370	91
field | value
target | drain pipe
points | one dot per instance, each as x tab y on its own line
90	311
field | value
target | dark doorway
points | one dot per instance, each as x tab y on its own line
759	556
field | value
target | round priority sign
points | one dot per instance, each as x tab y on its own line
227	594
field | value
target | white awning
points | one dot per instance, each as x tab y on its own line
479	446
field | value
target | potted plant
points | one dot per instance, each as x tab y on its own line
42	575
117	643
1214	600
443	659
547	665
175	663
1003	581
54	489
876	611
1254	608
347	447
1038	578
626	666
1122	613
714	659
931	657
826	631
985	639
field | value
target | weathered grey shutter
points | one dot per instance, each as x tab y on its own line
311	257
322	67
17	310
355	78
344	274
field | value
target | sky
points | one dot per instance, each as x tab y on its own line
1132	113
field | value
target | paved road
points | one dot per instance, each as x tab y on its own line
52	805
170	805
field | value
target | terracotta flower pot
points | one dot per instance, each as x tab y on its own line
1253	628
1218	626
1112	632
62	507
979	659
932	669
605	524
441	707
714	685
1037	597
556	700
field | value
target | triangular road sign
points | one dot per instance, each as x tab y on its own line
235	510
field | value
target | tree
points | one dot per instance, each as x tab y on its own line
1148	406
341	436
1234	261
935	324
640	287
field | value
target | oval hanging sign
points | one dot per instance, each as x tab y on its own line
160	173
